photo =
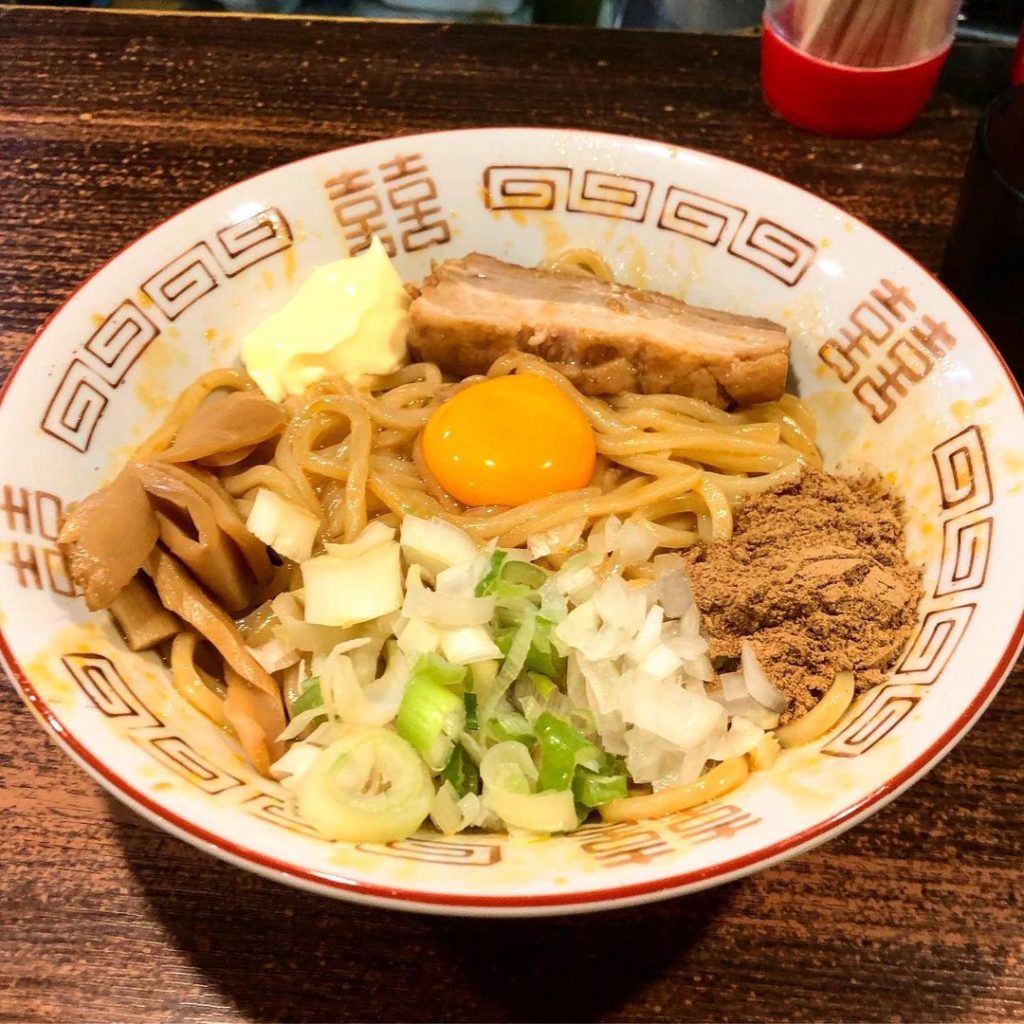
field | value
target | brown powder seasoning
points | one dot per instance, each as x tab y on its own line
817	579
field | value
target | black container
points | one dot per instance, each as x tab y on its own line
984	260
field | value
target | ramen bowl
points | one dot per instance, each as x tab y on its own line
901	379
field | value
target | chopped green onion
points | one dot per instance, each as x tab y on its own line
523	574
435	669
472	724
309	698
562	749
541	656
491	574
542	636
546	663
545	686
431	718
368	787
511	727
510	580
584	719
515	657
461	771
592	789
473	746
509	777
553	604
514	595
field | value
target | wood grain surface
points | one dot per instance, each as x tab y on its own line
111	122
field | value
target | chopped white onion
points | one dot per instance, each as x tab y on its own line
414	578
375	704
635	542
463	645
602	537
365	651
673	585
733	686
452	814
688	770
373	535
419	637
699	668
621	605
435	544
288	528
343	591
275	655
460	580
605	685
517	555
553	605
689	645
761	688
695	686
649	636
609	643
556	540
650	757
663	707
579	626
446	609
742	737
292	630
296	761
300	723
572	576
326	733
445	812
573	584
747	707
661	662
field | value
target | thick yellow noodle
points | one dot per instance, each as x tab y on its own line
352	454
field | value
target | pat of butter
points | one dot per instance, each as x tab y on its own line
350	317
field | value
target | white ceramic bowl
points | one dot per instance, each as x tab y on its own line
907	384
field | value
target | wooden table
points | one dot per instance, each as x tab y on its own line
111	122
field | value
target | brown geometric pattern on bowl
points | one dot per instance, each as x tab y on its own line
104	360
755	239
107	689
965	483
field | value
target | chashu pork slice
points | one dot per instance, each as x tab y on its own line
605	337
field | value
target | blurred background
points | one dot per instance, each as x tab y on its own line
989	20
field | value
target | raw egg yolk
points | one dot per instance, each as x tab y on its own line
509	440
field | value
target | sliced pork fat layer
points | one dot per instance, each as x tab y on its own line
604	337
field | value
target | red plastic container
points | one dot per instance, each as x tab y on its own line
1017	69
836	99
